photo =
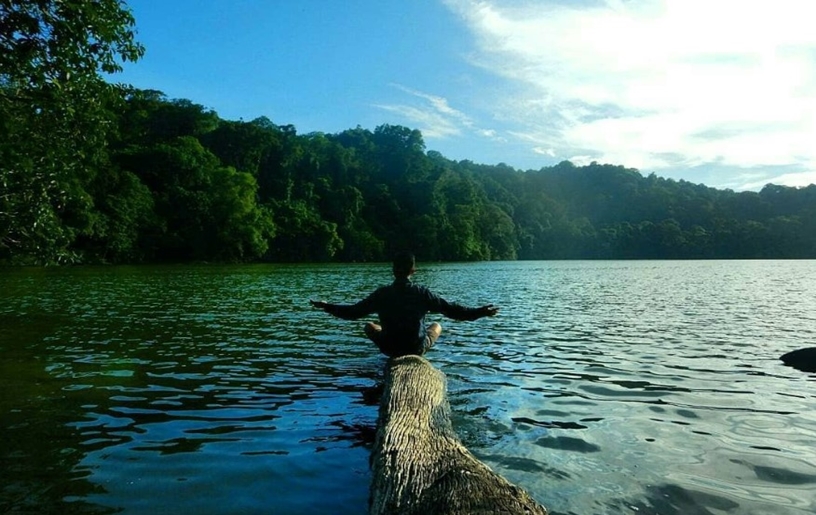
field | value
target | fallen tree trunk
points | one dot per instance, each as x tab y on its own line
419	465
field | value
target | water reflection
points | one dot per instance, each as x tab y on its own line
667	499
40	449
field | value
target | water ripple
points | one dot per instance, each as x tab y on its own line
602	387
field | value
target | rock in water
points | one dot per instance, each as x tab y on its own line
801	359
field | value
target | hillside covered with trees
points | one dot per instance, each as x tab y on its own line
96	173
174	182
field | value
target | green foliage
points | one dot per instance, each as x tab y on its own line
302	234
50	42
176	183
124	211
240	229
53	118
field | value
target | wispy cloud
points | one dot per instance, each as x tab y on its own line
432	124
787	179
433	115
655	84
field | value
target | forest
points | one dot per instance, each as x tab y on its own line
96	172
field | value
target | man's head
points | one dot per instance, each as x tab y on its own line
404	265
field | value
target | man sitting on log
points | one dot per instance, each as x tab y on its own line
401	308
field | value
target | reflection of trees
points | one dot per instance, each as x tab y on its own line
63	417
41	447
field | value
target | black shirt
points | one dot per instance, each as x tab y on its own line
401	308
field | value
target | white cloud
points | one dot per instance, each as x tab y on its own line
655	83
439	104
544	151
434	117
431	123
787	179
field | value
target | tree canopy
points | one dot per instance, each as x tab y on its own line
54	115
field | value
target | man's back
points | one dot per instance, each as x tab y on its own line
401	308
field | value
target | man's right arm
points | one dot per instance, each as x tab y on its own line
348	311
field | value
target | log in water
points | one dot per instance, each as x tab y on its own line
419	465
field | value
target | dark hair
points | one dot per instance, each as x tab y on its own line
404	264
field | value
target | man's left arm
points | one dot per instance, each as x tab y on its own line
459	312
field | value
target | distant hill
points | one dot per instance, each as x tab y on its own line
175	182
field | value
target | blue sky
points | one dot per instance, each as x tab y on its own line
720	92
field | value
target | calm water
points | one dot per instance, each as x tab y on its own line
601	387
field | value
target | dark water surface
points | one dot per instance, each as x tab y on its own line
601	388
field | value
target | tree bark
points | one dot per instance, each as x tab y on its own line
419	465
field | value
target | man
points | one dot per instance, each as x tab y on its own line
401	308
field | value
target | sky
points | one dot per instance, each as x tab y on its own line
718	92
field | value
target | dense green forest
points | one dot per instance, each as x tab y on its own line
92	172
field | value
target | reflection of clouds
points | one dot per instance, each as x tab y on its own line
727	83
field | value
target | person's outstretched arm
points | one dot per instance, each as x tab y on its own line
488	310
347	311
459	312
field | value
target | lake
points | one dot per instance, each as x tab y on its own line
601	387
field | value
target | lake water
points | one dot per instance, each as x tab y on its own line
601	387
